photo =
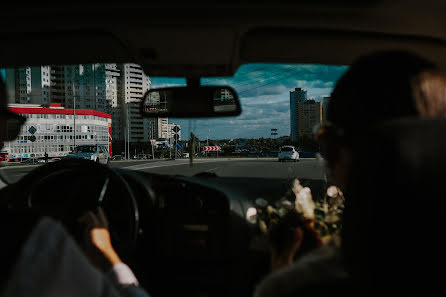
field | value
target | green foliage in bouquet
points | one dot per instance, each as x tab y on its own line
328	213
321	221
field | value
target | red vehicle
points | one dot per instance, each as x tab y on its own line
4	157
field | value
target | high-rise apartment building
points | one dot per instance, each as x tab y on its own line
134	84
297	96
88	85
325	102
57	84
109	93
97	87
28	85
163	128
310	115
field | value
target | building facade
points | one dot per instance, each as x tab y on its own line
57	85
325	102
310	115
115	89
57	132
28	85
296	97
163	128
134	84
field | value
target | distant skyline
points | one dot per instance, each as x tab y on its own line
264	93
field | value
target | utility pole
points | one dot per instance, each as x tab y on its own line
128	132
125	144
175	143
192	149
207	140
74	116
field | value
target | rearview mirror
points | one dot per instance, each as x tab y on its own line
190	102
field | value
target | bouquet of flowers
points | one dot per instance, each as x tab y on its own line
318	222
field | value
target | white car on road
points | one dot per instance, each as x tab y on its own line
288	152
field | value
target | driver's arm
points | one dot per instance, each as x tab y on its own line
97	245
51	264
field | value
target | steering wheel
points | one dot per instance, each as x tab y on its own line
66	189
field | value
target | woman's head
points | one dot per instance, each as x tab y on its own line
378	87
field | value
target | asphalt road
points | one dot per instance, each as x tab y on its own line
235	167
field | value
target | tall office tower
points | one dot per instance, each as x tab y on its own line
57	85
297	96
310	115
163	128
325	102
134	84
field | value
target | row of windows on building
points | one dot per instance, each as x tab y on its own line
50	138
63	116
42	149
65	128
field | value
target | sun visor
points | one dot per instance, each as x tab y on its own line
56	48
187	51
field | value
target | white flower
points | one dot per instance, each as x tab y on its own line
332	191
296	187
305	204
336	198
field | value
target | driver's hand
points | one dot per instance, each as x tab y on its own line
96	240
286	257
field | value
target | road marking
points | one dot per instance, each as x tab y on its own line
186	162
183	162
209	170
19	166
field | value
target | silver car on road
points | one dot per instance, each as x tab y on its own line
94	152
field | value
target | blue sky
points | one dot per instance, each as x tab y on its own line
263	90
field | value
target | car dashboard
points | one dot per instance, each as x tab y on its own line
195	238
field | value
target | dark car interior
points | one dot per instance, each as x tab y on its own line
396	197
190	235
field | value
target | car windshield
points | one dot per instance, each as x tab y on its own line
286	149
73	108
85	149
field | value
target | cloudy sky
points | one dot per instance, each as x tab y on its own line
264	92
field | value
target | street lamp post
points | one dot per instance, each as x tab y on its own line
127	134
128	131
74	118
175	141
74	114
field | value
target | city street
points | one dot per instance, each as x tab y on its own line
230	167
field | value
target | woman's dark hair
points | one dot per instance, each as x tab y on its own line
383	86
378	87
